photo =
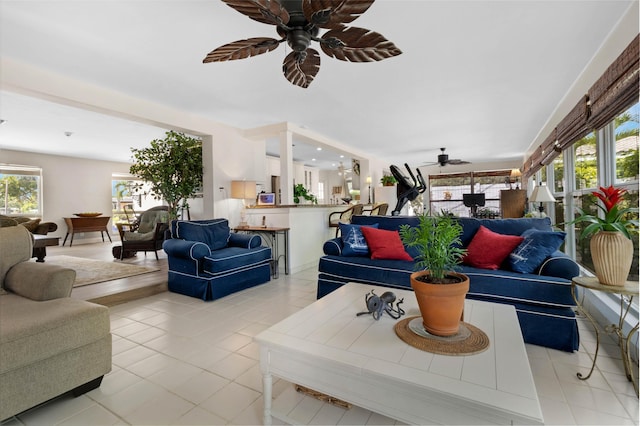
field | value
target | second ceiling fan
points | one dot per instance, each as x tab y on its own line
298	22
443	160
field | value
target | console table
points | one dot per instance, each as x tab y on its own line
86	224
272	241
627	292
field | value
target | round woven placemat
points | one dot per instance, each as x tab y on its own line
469	340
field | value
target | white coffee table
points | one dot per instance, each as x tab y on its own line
327	348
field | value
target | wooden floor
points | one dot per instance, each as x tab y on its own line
114	292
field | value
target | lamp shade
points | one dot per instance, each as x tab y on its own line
541	194
515	173
243	189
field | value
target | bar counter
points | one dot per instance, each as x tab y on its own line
308	228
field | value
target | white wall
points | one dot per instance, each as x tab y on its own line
70	185
233	158
228	155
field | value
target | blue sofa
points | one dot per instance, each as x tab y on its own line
542	298
208	261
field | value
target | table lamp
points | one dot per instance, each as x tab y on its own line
541	194
243	190
514	176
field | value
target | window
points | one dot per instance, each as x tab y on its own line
445	192
589	204
627	131
631	199
127	202
618	165
585	154
626	150
607	156
20	191
586	181
558	174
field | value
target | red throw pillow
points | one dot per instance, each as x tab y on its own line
488	249
385	244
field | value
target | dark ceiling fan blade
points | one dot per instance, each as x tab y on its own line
357	45
300	68
242	49
457	161
265	11
333	13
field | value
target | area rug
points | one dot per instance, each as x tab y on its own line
89	271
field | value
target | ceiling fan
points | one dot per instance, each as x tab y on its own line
298	22
443	160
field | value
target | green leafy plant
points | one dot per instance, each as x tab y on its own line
299	191
487	213
615	218
173	168
437	240
388	180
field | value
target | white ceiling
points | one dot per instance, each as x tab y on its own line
480	78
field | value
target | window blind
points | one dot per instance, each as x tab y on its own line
616	90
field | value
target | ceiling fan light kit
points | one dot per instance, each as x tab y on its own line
298	22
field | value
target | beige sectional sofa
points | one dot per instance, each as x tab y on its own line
49	343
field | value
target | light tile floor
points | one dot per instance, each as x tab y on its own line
178	360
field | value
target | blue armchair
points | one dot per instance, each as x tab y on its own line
208	261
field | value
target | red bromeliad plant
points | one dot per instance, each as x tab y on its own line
615	218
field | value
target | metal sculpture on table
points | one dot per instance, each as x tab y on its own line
377	305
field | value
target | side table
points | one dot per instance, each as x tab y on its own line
40	244
86	224
272	241
627	293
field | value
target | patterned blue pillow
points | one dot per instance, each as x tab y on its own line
353	241
536	247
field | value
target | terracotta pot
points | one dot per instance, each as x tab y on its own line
612	255
441	305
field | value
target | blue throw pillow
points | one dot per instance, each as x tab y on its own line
536	247
214	233
353	241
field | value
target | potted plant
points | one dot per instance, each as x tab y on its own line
440	290
173	167
300	193
388	180
611	245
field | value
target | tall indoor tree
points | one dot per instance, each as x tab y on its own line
173	168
